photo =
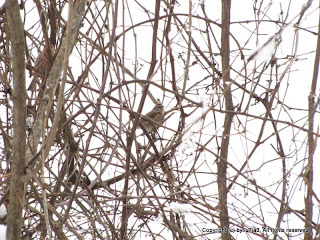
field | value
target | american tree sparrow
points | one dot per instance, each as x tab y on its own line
153	119
41	67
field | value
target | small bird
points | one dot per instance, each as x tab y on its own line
42	67
153	119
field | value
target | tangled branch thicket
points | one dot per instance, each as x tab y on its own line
231	112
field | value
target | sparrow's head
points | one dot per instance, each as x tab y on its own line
158	107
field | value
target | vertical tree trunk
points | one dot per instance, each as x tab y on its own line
18	165
222	163
311	143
